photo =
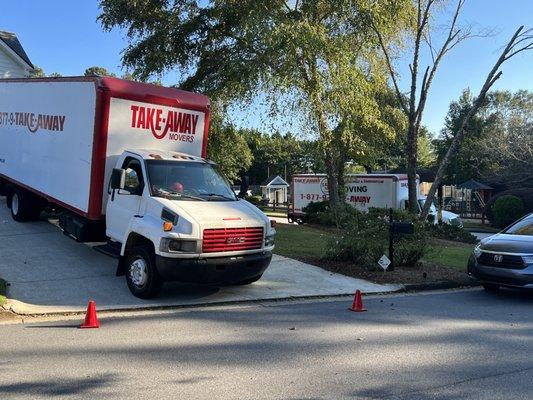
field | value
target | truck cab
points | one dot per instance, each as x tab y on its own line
173	216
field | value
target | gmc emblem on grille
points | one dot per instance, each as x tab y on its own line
235	240
498	258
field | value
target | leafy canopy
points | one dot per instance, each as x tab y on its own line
318	54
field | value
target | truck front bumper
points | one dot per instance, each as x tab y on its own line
213	271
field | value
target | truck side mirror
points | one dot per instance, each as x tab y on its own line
118	178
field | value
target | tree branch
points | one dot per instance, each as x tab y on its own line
448	44
492	77
390	68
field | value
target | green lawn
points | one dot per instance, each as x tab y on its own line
455	255
303	241
271	213
3	290
300	241
475	226
279	214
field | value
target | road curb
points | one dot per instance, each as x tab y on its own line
419	287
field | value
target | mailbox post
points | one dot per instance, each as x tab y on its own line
397	227
391	241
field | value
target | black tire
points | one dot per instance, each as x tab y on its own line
491	287
249	281
147	283
9	196
24	205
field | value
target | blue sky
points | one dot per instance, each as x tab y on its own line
63	36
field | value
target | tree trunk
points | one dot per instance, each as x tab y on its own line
333	183
412	150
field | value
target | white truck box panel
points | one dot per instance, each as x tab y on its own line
46	137
160	127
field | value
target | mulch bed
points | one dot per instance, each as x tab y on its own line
426	273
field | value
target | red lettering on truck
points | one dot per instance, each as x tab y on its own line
33	122
178	125
359	199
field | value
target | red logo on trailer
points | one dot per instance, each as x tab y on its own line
324	186
33	122
178	125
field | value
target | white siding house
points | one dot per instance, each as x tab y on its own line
275	189
14	62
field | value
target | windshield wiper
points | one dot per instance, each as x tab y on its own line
218	195
187	196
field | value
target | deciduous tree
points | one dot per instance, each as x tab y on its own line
319	55
97	71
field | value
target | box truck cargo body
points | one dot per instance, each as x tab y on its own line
363	191
130	158
61	138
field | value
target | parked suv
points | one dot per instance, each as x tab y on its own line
505	259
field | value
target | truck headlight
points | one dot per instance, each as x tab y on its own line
528	260
270	240
169	245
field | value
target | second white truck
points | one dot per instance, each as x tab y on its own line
126	161
363	191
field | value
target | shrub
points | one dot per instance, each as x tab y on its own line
525	194
320	213
316	207
451	232
366	238
255	200
506	210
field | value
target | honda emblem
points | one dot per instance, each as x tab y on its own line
498	258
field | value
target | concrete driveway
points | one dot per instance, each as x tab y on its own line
51	273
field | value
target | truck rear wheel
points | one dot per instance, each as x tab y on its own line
141	273
23	206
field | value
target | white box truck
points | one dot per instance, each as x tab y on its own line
128	159
363	191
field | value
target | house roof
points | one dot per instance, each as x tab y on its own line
474	185
11	40
274	180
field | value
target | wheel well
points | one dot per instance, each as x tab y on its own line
134	240
6	189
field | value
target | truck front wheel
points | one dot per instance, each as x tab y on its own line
141	274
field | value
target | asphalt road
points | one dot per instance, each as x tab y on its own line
448	345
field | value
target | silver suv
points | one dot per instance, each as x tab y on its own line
505	259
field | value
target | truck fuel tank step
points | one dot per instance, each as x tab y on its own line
111	249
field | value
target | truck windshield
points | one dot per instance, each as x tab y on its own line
186	180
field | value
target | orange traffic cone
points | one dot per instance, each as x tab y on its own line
91	320
357	304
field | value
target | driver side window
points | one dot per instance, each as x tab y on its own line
134	178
